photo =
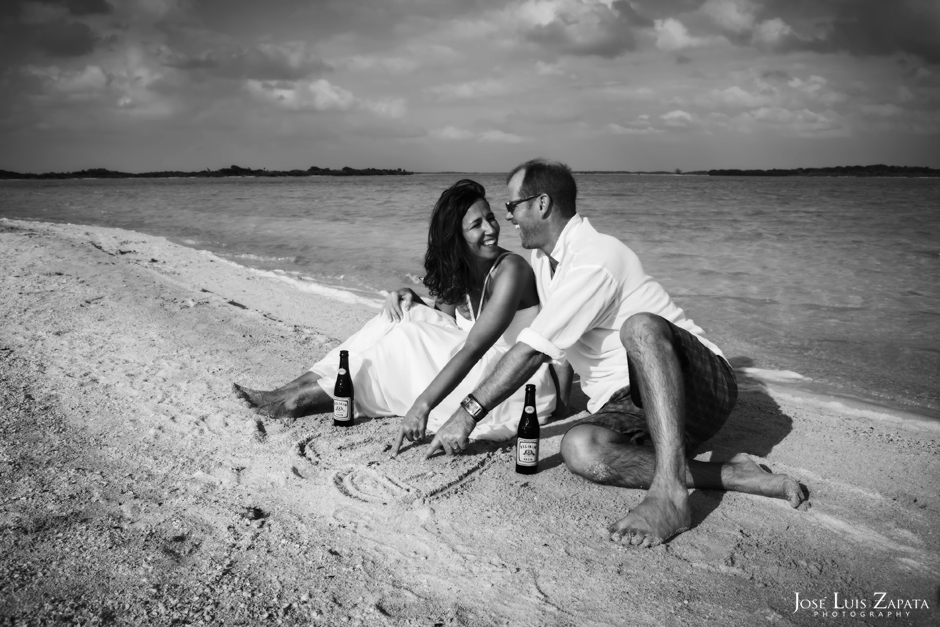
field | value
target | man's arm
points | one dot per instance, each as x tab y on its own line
514	369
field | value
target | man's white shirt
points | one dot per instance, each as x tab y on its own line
598	283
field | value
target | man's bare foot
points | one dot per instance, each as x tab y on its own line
742	474
658	518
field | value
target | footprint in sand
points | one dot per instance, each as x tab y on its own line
369	486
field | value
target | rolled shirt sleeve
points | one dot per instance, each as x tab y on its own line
575	306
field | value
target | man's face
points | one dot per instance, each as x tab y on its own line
525	215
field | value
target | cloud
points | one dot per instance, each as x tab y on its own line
83	7
32	12
405	61
102	94
773	32
66	38
677	119
320	95
798	122
887	110
754	89
817	88
548	69
484	88
626	92
452	133
287	61
91	80
376	129
151	10
860	27
672	35
386	107
776	75
582	28
735	16
364	63
501	137
873	27
640	127
737	97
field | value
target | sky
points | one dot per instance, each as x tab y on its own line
468	85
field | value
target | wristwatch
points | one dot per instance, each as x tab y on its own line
474	408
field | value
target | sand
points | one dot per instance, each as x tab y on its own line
136	489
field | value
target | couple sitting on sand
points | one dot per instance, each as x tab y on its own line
657	388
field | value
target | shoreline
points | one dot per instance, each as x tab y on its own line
338	295
805	391
137	490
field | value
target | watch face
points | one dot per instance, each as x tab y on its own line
472	406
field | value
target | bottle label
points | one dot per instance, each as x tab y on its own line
341	372
341	408
529	409
527	452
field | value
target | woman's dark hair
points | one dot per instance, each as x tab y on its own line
447	262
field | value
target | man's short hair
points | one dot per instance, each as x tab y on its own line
549	177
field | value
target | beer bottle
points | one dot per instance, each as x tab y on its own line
343	396
527	444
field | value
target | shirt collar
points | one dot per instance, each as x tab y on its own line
563	243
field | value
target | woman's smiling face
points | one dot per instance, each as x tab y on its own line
481	230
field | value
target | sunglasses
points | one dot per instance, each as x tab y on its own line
512	204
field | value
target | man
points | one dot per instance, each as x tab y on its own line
650	375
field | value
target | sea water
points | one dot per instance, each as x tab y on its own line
828	281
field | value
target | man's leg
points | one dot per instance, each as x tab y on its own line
665	511
678	378
603	455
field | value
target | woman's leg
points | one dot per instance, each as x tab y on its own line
300	400
259	398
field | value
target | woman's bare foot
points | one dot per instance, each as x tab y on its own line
277	409
662	515
742	474
253	398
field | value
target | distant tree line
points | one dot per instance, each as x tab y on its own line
103	173
850	170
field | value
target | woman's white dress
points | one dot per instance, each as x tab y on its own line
392	363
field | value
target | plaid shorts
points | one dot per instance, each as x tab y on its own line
710	394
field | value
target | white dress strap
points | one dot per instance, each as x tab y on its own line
486	282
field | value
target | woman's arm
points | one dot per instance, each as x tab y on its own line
512	279
562	377
399	299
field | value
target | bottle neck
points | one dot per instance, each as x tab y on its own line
530	395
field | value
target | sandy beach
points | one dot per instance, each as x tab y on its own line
135	488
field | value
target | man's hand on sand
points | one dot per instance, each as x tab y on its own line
452	438
413	427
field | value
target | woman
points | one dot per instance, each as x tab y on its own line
418	361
